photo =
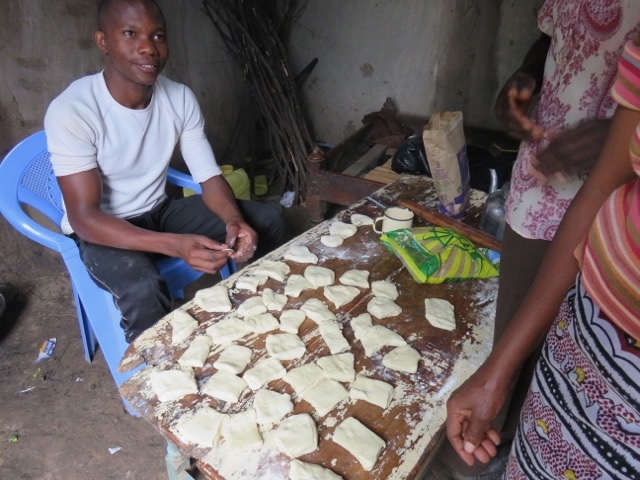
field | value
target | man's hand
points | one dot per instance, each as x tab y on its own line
243	239
202	253
470	411
572	153
512	105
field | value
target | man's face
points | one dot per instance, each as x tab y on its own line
134	38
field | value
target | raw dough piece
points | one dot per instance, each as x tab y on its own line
319	276
224	386
303	377
272	269
263	372
290	320
272	300
310	471
340	294
285	346
271	406
300	254
263	323
203	428
227	330
403	359
360	323
373	391
345	230
296	284
183	325
325	395
440	313
234	359
359	220
318	311
381	307
383	288
242	431
332	240
377	336
252	306
338	367
174	384
332	335
296	435
197	352
213	299
251	282
359	441
355	278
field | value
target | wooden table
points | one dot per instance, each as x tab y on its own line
412	426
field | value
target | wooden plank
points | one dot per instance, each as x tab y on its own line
367	160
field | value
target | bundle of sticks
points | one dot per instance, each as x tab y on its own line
255	32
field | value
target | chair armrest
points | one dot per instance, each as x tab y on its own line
182	180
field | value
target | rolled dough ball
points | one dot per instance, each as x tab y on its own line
252	306
384	288
325	395
272	300
381	307
197	352
290	320
272	269
204	427
359	220
251	282
355	278
227	330
183	325
300	254
373	391
309	471
263	323
213	299
296	284
301	378
376	337
296	435
319	276
318	311
344	230
340	294
263	372
332	240
285	346
440	313
404	359
338	367
359	441
174	384
360	323
224	386
271	406
241	432
332	335
234	359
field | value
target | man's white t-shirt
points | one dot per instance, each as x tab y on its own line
87	128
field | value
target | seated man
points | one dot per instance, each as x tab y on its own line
111	136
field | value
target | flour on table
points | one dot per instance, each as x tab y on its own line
263	372
403	359
378	336
197	352
290	320
382	307
241	432
440	313
332	335
251	282
296	284
344	230
300	254
271	406
317	311
285	346
272	300
325	395
213	299
252	306
272	269
296	435
384	289
332	240
373	391
319	276
359	441
360	323
183	325
338	367
359	220
173	384
224	386
340	294
301	378
234	359
355	278
227	331
309	471
263	323
203	428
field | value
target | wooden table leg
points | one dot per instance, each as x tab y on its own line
177	463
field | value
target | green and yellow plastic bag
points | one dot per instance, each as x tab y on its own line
438	254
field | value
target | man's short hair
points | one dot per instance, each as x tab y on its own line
105	5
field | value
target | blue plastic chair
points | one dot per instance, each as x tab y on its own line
26	178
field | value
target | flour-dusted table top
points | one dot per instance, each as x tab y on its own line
411	426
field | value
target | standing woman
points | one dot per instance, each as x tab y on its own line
581	418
